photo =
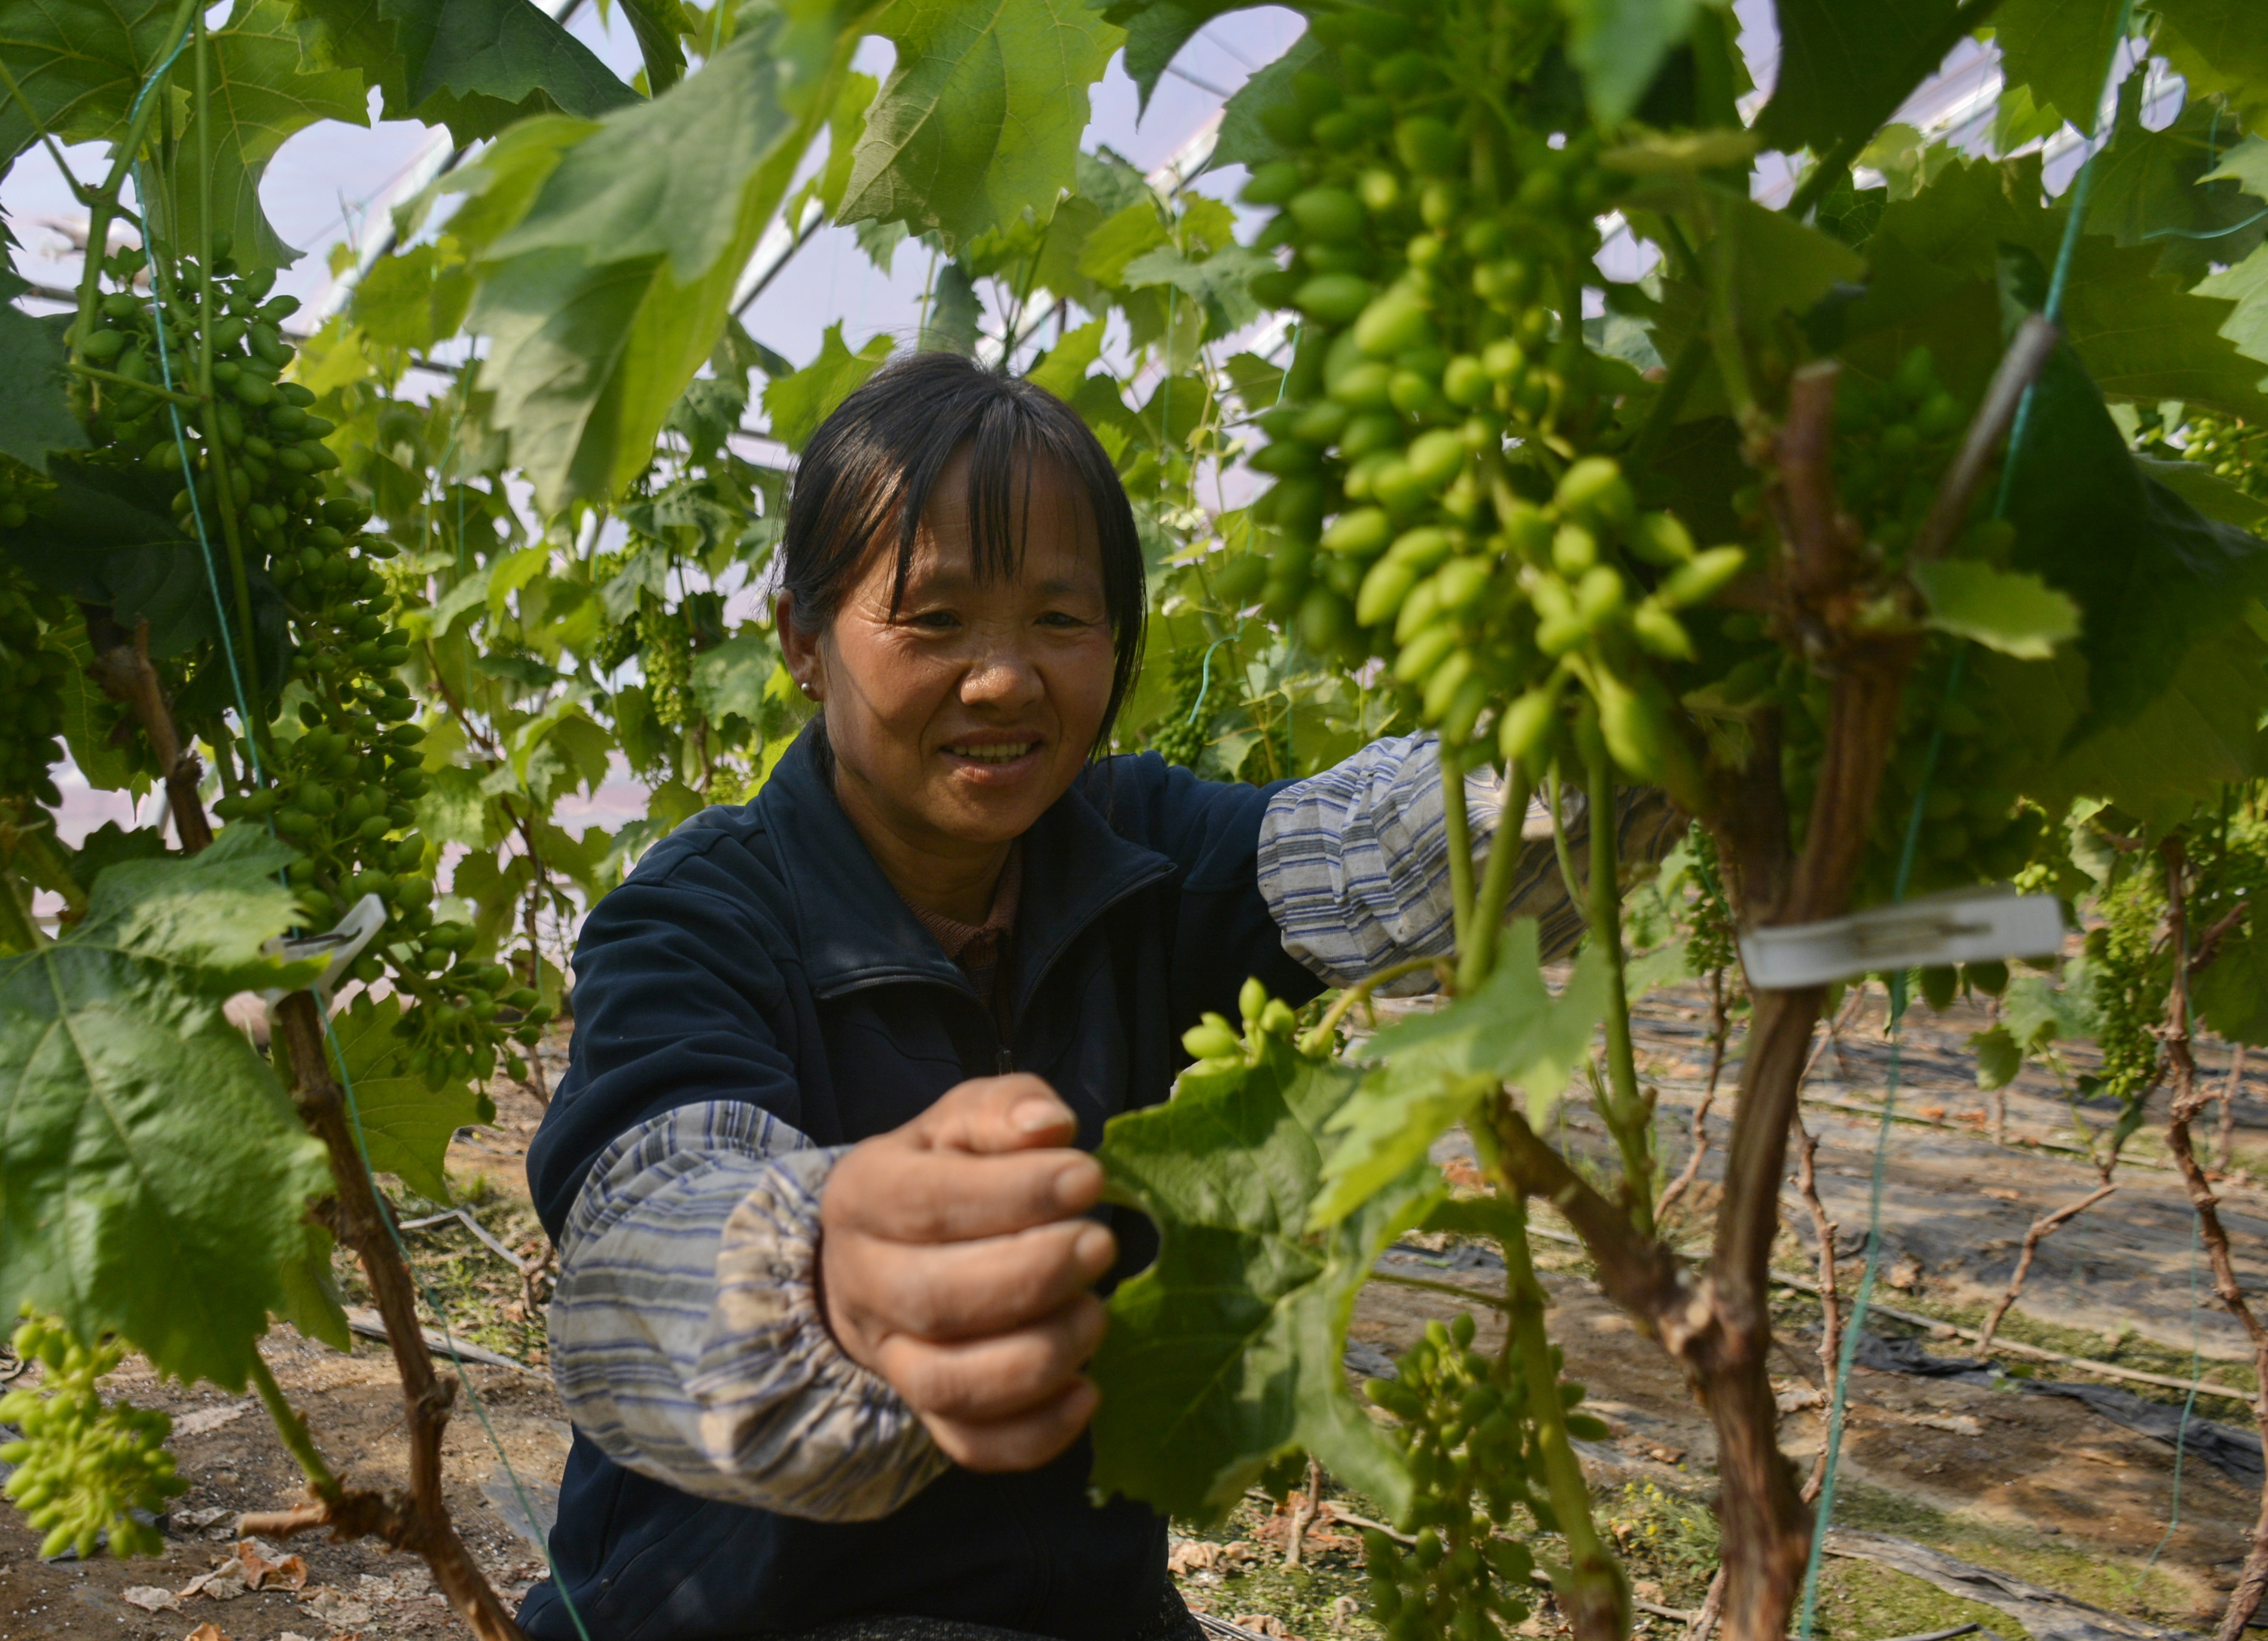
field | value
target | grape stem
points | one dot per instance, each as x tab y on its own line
1629	1113
1456	825
2029	352
1593	1595
1361	990
104	205
225	497
114	379
293	1429
1478	958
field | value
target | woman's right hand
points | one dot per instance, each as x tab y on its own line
955	1261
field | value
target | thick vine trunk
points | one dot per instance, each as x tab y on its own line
417	1522
2189	1100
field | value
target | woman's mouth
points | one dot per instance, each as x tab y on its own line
995	752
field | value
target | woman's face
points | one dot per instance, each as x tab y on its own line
957	719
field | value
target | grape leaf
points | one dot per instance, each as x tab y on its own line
406	1127
1243	140
599	304
2016	614
2140	336
36	418
1221	282
797	404
2059	48
1226	1351
1432	1069
1156	31
2200	734
2168	188
1999	1058
474	65
2152	575
2246	284
1844	69
2208	492
261	96
208	913
981	116
78	63
1068	362
659	25
2217	45
1619	45
154	1178
2231	992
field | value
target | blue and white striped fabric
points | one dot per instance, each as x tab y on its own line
1354	864
685	1334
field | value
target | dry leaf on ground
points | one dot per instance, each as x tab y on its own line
151	1599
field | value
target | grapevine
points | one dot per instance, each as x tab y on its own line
1463	1425
84	1466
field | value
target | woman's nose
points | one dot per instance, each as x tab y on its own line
1003	675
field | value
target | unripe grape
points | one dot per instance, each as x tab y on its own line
1435	456
1659	538
1460	584
1660	632
1333	298
1367	387
1273	182
1466	382
1361	533
1599	595
1425	145
1392	322
1422	654
1574	549
1441	688
1527	725
1594	489
1707	574
1383	590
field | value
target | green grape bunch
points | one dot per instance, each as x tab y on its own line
1438	244
1472	1451
84	1466
344	771
1187	729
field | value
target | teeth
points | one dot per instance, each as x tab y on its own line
1005	752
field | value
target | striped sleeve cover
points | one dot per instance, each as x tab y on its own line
685	1334
1354	863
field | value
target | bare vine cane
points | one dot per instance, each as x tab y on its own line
416	1520
2189	1099
2046	1225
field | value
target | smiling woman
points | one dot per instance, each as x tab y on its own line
818	1171
965	678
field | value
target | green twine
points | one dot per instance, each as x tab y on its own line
2058	283
252	746
2182	1430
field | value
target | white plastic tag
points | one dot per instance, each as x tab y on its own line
1959	926
342	945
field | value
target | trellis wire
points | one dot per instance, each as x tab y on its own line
244	714
1846	1359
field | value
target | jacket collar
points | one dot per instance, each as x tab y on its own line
853	929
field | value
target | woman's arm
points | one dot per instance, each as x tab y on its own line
687	1337
1354	862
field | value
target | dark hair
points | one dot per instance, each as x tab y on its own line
873	463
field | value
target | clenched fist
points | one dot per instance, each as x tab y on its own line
954	1261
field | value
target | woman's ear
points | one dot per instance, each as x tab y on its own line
800	649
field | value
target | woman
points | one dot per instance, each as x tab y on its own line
818	1172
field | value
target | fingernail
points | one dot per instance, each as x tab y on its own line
1034	1114
1075	1184
1095	1248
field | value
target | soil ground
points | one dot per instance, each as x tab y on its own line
2037	1486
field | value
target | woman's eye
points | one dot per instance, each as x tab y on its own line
935	621
1061	618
